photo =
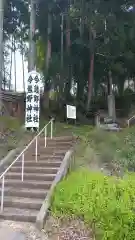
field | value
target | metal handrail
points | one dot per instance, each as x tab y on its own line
35	139
130	119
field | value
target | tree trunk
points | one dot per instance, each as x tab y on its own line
11	62
110	83
4	76
48	58
111	99
80	85
1	51
90	81
23	66
62	40
61	80
120	85
15	63
32	44
92	36
49	31
68	47
80	89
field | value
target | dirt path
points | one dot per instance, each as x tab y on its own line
67	229
29	231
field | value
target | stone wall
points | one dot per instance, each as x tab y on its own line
13	104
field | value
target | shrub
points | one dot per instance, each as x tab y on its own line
107	204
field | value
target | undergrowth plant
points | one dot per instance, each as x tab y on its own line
115	147
105	203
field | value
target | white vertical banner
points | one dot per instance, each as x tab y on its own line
32	112
71	112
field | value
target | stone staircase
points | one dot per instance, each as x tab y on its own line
23	199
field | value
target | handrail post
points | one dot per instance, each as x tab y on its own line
51	128
2	193
45	136
22	154
36	148
22	167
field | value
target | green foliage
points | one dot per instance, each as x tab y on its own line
41	54
16	17
115	147
105	203
114	46
111	148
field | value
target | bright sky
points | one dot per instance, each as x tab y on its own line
19	72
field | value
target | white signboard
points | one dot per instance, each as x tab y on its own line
32	100
71	112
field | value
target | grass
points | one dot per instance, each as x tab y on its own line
104	203
115	150
9	123
74	130
11	135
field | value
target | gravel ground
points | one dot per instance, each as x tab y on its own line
67	230
54	230
29	230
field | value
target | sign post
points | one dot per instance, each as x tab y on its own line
71	112
32	112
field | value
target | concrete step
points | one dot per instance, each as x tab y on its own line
45	157
21	215
54	144
41	156
58	139
33	163
49	149
58	144
28	184
54	156
22	203
25	192
35	169
41	142
23	200
31	176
